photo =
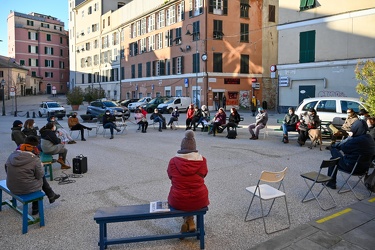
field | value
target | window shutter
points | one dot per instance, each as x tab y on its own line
29	49
45	63
182	64
29	35
37	62
36	49
225	7
174	60
45	50
211	6
30	62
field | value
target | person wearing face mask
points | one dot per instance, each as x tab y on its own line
17	135
74	124
61	132
29	128
289	123
205	118
345	128
308	120
363	114
174	117
108	122
51	144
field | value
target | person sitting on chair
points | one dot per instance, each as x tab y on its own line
219	120
17	135
51	144
62	133
157	117
74	124
108	122
358	143
141	120
196	117
308	120
234	119
189	116
174	117
205	118
25	173
345	128
289	123
260	122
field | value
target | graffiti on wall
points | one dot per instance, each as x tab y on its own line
245	99
328	93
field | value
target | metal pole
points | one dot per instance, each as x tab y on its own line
15	101
3	86
196	73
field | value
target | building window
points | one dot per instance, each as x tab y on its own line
103	23
161	20
151	23
181	11
218	7
244	33
30	23
148	69
62	65
171	15
244	8
33	36
196	30
133	70
244	67
33	73
109	21
33	62
44	25
143	26
61	52
49	37
178	36
180	65
218	30
22	63
196	62
48	50
195	7
89	11
151	43
33	49
161	68
159	41
169	38
48	74
48	63
307	46
307	4
271	13
218	62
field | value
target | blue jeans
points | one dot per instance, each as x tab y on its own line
287	128
160	121
111	126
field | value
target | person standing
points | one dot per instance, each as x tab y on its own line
109	122
74	124
253	105
187	171
260	122
216	100
25	173
17	135
289	123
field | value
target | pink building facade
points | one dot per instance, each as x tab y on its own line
40	43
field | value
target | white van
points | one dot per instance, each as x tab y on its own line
181	102
328	108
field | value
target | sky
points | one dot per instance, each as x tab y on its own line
55	8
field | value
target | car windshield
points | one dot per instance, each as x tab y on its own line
142	99
110	104
54	105
169	101
153	101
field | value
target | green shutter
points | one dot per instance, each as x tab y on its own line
310	3
307	46
37	62
29	35
303	4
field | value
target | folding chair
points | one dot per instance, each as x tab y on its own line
266	192
318	177
75	130
362	159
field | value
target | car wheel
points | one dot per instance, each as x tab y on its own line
149	110
170	110
40	114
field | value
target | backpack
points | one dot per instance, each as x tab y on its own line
370	181
232	134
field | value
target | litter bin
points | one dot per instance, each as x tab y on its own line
264	105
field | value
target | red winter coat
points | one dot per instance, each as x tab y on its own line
188	191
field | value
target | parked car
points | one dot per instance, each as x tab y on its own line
330	107
126	102
134	105
154	103
49	108
99	107
181	102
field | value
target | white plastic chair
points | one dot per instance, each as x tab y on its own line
267	192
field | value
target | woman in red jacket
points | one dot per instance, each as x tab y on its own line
189	116
187	171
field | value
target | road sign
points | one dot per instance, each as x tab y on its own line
12	91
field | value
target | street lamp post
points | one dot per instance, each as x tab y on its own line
196	63
2	86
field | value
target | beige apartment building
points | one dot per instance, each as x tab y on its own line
39	43
197	48
320	44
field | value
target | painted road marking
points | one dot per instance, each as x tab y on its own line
372	200
332	216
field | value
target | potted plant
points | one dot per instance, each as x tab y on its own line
75	97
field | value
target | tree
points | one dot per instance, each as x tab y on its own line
92	94
365	73
75	96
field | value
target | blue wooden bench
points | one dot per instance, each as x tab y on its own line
25	200
104	216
